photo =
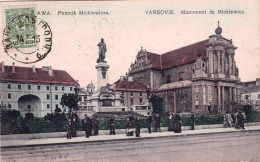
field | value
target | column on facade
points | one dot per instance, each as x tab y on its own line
229	63
174	102
234	94
223	98
223	62
210	63
230	97
233	64
218	55
219	98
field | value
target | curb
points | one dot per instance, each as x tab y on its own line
124	139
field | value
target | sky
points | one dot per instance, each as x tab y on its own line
127	28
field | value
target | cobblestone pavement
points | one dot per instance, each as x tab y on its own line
235	146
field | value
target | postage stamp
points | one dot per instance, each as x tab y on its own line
26	38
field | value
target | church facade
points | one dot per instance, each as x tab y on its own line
201	77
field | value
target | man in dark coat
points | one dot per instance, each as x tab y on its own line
192	121
95	123
137	127
74	124
149	122
69	130
177	122
87	125
112	126
157	121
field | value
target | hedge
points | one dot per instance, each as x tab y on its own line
13	123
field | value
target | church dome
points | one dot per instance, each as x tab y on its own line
218	31
91	86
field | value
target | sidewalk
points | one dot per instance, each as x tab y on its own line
118	137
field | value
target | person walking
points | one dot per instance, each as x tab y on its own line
192	121
69	129
137	127
243	120
178	122
87	125
149	122
157	121
112	126
95	126
74	124
237	126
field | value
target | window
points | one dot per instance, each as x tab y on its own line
141	101
141	94
56	88
9	96
29	87
19	86
70	88
131	94
62	88
48	106
181	75
196	89
85	98
56	97
9	106
48	96
9	86
258	96
39	87
132	101
209	89
47	88
246	96
168	79
210	97
57	106
196	96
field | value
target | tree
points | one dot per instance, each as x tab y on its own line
70	100
157	103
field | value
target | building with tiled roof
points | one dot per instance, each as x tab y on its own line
201	77
35	90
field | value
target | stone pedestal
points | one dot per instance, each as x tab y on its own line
102	75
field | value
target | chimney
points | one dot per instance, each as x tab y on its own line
2	67
257	81
50	71
130	79
13	68
122	78
33	69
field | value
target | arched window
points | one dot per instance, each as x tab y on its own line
168	79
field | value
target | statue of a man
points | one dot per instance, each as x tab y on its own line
102	51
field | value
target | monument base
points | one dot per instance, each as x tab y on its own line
102	74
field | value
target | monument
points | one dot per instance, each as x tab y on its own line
102	66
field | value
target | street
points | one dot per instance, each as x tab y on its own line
237	146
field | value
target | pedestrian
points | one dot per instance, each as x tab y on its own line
209	107
74	124
69	129
229	119
237	126
137	127
243	120
172	122
87	125
157	121
95	126
240	119
112	126
91	125
169	121
192	121
177	122
129	126
149	122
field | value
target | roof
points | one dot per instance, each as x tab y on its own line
26	75
181	56
184	55
126	85
155	60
